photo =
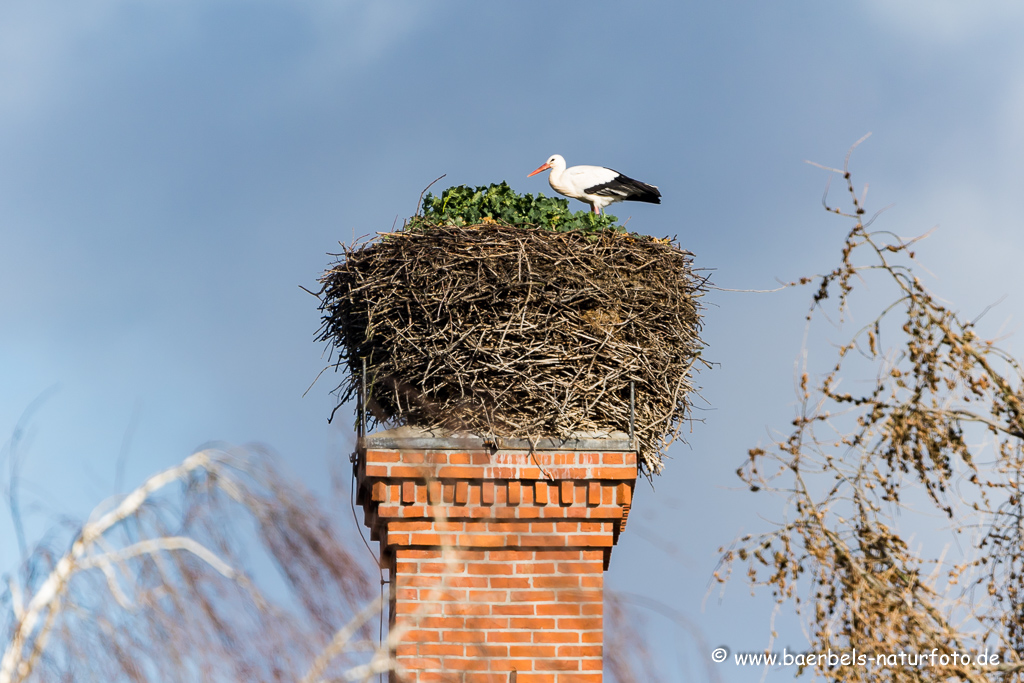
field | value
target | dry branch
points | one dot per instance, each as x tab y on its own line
518	332
156	587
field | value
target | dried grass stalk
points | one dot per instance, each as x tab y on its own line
518	332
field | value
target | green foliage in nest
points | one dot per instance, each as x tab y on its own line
499	203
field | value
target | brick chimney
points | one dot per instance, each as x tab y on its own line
496	550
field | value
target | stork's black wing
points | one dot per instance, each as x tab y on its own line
625	188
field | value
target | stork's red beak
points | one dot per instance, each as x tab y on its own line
542	168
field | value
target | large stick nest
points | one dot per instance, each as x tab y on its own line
518	332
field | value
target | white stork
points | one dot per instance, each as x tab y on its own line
596	185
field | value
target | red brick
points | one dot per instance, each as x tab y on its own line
520	609
507	555
491	527
441	622
456	472
508	636
456	664
579	568
464	608
411	526
625	494
441	595
420	663
480	677
580	651
501	569
533	596
523	666
421	636
408	492
558	664
418	608
561	609
482	540
531	622
580	595
556	582
556	637
487	651
590	539
466	636
540	495
581	624
506	582
442	568
484	623
558	555
434	492
441	649
566	492
532	651
430	677
387	456
488	596
417	580
461	492
467	581
543	540
422	539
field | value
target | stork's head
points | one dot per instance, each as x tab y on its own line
556	161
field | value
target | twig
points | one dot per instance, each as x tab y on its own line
420	200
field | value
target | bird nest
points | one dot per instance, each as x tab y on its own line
518	332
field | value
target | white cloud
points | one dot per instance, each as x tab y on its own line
946	20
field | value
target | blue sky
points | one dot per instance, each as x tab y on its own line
170	173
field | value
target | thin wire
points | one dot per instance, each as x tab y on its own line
380	629
380	567
352	504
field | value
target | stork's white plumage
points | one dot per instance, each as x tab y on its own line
596	185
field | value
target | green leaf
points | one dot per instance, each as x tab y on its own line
464	205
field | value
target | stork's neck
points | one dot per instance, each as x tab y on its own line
556	181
